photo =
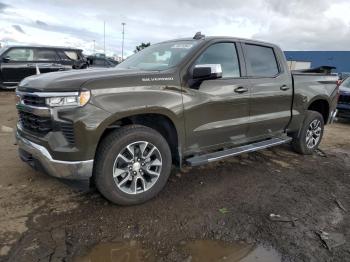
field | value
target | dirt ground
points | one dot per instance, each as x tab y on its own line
45	219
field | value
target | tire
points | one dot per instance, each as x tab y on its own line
310	135
112	167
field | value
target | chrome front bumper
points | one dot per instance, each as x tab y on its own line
38	157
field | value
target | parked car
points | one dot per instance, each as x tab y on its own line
95	61
194	100
18	62
344	99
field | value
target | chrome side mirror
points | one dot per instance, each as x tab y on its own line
207	71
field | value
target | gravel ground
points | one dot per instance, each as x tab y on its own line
44	219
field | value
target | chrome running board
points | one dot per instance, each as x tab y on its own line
219	155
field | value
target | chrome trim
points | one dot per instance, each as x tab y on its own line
333	115
218	155
47	94
36	110
62	169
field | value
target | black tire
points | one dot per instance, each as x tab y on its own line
109	149
299	142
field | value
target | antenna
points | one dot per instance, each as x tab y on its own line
198	36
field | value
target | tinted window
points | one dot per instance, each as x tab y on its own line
20	54
100	62
262	61
45	55
224	54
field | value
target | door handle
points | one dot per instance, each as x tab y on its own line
30	65
284	88
241	90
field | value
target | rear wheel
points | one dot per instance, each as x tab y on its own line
310	135
132	165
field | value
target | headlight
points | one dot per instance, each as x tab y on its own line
78	100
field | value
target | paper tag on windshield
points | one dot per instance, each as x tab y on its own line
182	46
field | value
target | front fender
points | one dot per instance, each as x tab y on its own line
123	102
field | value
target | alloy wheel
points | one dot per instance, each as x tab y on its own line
137	167
313	134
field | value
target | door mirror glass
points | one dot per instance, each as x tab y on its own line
6	59
207	71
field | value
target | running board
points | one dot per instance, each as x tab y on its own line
219	155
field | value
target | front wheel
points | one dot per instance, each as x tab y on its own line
310	135
132	165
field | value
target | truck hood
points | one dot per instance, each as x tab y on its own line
73	80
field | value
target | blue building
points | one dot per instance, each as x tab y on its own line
311	59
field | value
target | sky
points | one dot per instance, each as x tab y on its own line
292	24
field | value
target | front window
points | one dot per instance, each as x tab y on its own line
224	54
20	54
159	56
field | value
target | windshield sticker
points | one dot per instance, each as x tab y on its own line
182	46
151	79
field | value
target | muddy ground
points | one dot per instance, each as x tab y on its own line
44	219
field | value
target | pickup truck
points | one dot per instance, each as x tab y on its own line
186	101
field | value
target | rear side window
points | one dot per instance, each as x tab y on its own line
20	54
72	55
224	54
261	60
45	55
68	55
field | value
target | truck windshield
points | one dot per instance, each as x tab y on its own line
346	83
159	56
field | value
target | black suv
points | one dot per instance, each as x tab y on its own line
18	62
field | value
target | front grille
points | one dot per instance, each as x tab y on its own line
37	124
68	132
33	100
343	99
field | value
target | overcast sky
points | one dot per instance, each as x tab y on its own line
292	24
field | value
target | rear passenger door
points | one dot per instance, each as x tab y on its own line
271	90
47	60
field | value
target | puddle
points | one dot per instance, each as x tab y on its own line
195	251
208	251
117	252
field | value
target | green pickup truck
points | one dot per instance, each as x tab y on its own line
186	101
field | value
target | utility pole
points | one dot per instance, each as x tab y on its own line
104	37
123	24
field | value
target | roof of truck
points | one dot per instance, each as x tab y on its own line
209	38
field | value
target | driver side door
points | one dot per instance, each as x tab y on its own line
217	110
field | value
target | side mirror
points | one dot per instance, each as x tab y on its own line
6	59
207	71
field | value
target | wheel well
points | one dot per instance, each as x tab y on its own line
158	122
322	107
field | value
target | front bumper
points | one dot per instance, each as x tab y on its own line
39	157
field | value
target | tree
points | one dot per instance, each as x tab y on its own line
142	46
